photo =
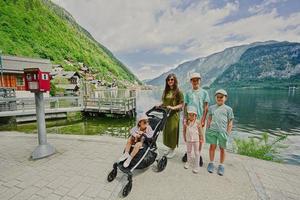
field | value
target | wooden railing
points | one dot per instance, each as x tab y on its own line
22	104
107	101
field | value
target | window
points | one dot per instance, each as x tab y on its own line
28	76
20	80
44	76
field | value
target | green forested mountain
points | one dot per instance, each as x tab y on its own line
270	66
41	29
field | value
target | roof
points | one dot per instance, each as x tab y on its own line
68	86
66	74
15	64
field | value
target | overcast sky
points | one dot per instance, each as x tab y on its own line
153	36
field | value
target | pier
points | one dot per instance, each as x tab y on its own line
117	102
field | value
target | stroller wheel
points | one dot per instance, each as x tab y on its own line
112	175
162	163
127	189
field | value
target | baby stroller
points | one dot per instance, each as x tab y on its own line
147	154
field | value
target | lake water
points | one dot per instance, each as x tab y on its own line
256	111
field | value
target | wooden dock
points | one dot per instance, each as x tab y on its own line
58	107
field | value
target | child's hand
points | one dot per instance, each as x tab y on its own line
202	123
184	122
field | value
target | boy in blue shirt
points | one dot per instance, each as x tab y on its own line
219	124
197	97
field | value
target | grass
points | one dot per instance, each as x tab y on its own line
261	148
40	29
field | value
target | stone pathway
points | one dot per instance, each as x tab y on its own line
79	169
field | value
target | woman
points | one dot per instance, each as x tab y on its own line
172	98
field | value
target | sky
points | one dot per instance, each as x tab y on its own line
154	36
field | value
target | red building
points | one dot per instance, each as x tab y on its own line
11	73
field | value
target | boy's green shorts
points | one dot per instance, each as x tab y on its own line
215	137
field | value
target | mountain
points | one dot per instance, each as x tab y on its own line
273	66
213	67
41	29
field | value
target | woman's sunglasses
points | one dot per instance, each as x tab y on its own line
171	79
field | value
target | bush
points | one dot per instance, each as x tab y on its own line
260	148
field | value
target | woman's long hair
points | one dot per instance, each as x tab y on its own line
167	87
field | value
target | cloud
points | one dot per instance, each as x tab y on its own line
179	27
264	6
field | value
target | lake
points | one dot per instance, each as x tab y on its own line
256	111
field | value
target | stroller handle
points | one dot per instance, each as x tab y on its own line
160	109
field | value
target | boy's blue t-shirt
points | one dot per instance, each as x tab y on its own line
197	98
220	117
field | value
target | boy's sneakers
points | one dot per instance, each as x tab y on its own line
127	161
184	158
201	161
186	165
171	153
221	170
124	157
210	167
196	170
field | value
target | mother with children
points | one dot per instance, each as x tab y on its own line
201	123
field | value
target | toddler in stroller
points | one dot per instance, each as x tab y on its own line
141	132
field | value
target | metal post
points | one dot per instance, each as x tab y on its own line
44	149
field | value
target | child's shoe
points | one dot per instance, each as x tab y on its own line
196	170
221	170
186	165
127	161
124	157
210	167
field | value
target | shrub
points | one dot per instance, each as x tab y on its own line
261	148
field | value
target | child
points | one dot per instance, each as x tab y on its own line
138	133
220	121
192	135
199	98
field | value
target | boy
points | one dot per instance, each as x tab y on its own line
198	98
219	124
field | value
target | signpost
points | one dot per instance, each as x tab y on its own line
39	82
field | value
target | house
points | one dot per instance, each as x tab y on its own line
73	80
69	89
72	77
12	70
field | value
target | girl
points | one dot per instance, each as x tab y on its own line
192	135
172	98
139	134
